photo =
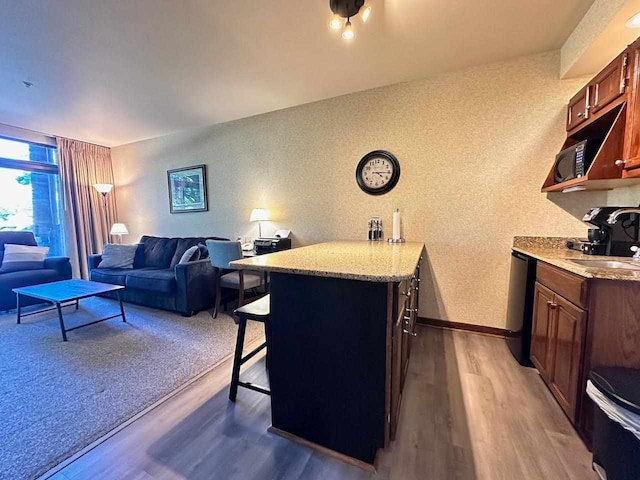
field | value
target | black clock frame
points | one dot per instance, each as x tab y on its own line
395	176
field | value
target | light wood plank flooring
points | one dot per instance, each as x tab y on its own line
469	412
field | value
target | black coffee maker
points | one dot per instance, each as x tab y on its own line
610	239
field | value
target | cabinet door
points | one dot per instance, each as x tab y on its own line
542	330
396	374
578	110
567	348
632	133
609	84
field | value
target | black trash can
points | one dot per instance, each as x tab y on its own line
616	432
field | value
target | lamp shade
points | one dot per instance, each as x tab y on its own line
259	215
103	188
119	229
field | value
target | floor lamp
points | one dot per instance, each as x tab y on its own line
104	189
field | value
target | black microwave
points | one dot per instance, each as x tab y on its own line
571	163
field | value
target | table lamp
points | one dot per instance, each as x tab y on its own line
119	229
259	215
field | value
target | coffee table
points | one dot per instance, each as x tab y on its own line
65	291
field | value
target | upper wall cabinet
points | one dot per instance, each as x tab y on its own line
609	84
605	113
578	109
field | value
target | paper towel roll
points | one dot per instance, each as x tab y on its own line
396	225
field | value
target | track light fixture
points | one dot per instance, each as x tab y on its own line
346	9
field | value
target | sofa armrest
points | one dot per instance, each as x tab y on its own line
61	264
195	286
93	261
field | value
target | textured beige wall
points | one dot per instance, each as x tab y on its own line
474	147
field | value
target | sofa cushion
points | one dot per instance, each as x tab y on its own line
28	277
118	256
23	257
15	238
114	276
158	251
151	279
182	246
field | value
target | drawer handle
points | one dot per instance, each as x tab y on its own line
413	334
410	310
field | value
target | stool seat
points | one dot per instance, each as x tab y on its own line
259	311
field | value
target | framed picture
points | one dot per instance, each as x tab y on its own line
188	189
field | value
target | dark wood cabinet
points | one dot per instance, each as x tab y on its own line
579	324
578	108
402	332
558	335
632	131
605	113
542	329
396	375
567	348
609	84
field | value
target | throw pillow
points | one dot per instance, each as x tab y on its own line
191	254
23	257
118	256
204	251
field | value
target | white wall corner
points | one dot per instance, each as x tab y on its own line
598	38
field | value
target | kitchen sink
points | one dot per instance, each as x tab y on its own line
606	264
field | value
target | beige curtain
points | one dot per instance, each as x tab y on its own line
88	218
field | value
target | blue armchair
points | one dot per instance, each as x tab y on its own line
55	268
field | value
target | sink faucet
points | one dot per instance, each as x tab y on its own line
613	218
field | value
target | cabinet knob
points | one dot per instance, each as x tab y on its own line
619	163
551	304
413	334
580	114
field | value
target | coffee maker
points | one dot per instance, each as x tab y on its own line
610	239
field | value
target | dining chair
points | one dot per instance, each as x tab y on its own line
221	253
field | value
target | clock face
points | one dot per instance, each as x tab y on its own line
378	172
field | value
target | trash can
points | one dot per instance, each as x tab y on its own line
616	428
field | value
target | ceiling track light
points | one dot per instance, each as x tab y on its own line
346	9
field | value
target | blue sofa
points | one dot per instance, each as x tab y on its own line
55	269
157	280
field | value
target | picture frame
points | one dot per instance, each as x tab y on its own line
188	189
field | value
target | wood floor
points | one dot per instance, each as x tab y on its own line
469	412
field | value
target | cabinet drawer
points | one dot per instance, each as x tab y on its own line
568	285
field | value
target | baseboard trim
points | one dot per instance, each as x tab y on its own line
467	327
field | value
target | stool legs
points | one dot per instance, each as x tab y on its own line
237	359
267	336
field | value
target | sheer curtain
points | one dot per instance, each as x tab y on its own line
88	218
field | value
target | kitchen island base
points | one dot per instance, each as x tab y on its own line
328	357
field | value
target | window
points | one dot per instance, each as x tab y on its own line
30	192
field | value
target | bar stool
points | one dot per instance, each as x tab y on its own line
258	311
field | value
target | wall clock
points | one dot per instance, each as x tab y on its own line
378	172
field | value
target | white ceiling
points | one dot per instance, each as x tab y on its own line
118	71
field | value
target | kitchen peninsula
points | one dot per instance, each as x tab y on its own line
342	317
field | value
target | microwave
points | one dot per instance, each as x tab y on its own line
571	163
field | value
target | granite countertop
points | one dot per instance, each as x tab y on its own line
369	261
554	252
